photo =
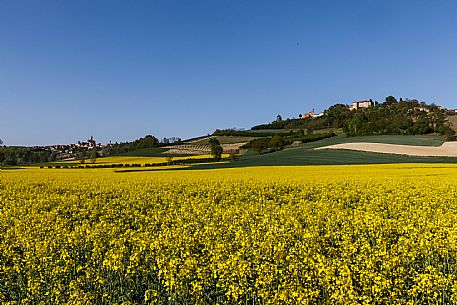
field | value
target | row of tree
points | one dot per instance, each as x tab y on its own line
244	133
13	155
278	141
307	123
82	156
148	141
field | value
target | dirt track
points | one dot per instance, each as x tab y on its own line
447	149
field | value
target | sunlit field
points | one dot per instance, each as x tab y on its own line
134	159
367	234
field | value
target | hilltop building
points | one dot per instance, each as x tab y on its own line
311	114
361	104
91	143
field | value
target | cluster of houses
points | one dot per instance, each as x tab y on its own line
72	148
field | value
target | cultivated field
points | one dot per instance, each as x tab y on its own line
448	149
131	160
367	234
188	149
143	160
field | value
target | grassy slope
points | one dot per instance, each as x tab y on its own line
306	155
426	140
338	131
303	155
421	140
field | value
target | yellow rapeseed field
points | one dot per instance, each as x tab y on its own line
137	160
373	234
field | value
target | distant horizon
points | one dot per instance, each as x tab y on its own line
209	133
119	70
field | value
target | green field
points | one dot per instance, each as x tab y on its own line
420	140
306	155
338	131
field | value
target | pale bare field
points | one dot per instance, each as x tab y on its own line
447	149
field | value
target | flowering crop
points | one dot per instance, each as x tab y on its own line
378	234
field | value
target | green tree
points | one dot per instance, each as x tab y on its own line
213	141
448	132
81	156
216	151
276	142
147	142
216	148
259	145
336	115
93	155
391	99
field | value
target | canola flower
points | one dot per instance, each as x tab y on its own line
378	234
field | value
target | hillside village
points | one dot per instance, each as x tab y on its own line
72	148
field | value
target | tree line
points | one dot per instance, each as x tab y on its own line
396	118
148	141
291	123
278	141
244	133
14	155
392	117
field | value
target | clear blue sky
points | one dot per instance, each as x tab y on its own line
119	70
